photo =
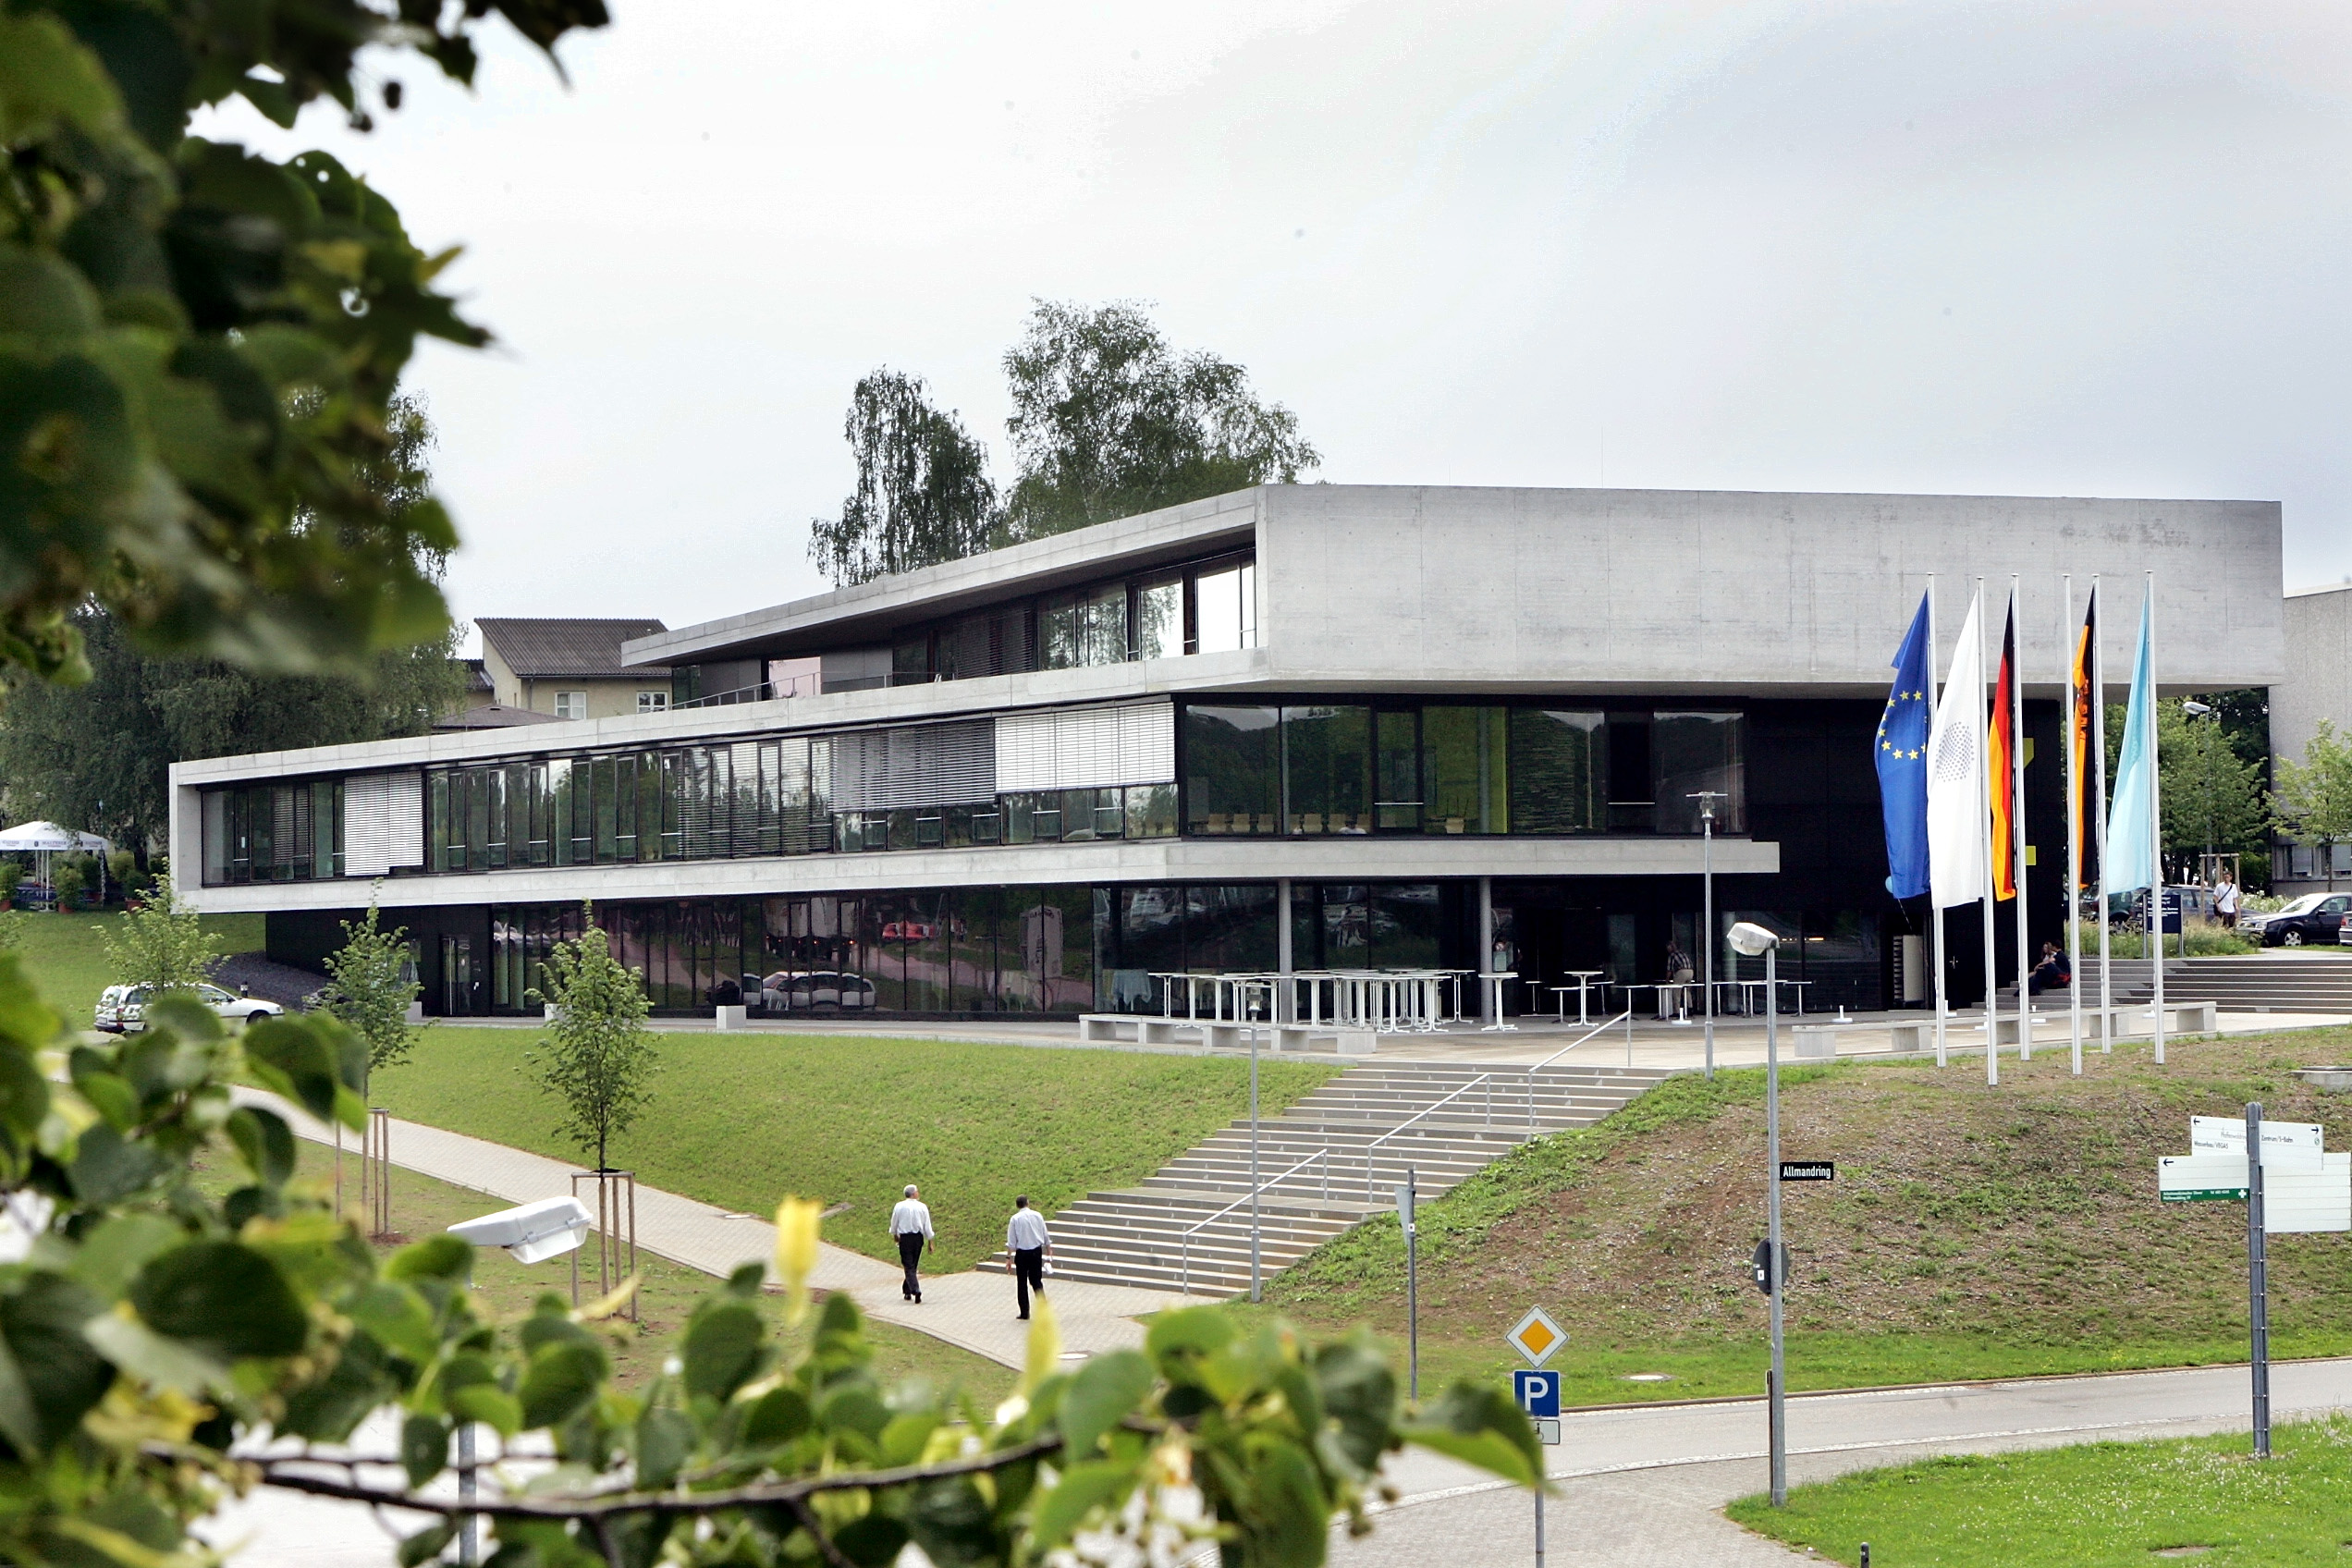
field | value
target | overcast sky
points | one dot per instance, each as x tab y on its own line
2065	248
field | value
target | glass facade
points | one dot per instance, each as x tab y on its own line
1457	768
273	833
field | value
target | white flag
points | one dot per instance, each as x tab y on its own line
1956	775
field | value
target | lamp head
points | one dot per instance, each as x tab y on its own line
2194	709
1750	939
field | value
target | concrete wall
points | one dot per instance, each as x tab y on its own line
1401	588
2318	679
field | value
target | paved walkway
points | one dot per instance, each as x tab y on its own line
973	1310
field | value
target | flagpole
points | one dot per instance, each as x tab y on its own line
2017	824
2156	827
2070	639
1935	914
2099	813
1984	823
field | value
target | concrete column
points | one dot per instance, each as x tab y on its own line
1286	999
1486	941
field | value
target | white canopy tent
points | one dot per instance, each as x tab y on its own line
45	839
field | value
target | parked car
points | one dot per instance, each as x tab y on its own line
799	993
120	1007
2314	917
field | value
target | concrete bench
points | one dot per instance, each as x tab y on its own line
1357	1041
1816	1042
725	1017
2198	1018
1107	1025
1912	1037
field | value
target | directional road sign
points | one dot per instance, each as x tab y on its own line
2287	1145
1809	1171
1535	1392
2202	1178
1535	1337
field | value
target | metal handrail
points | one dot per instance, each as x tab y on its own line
1625	1017
1185	1267
1481	1078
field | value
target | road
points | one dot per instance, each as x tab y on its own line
1635	1486
1647	1486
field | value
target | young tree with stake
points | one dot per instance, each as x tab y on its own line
598	1059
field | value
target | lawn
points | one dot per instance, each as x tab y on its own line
66	960
741	1120
1971	1232
421	1206
2101	1505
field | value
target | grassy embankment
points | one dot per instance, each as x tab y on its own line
1971	1231
741	1120
2100	1505
422	1207
66	960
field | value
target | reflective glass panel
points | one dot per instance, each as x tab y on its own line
1328	769
1558	760
1232	769
1465	771
1695	752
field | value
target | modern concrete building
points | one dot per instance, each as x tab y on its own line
2316	685
1291	728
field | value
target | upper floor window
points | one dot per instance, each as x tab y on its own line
651	702
574	704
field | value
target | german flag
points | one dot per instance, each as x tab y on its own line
2000	760
2084	706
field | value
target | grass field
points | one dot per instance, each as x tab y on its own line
741	1120
421	1206
2102	1505
1971	1232
67	962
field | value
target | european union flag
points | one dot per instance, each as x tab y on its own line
1903	761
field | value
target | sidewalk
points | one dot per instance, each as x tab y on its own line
971	1310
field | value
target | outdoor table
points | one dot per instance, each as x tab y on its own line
1495	982
1583	989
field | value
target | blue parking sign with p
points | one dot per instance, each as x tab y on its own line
1538	1393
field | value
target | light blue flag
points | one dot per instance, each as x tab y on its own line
2131	820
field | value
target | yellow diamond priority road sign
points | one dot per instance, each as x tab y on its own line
1536	1336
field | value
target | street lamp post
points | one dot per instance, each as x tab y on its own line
1752	939
1707	798
1255	1281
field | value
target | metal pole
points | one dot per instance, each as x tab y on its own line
2258	1279
1935	911
2017	832
1286	1008
2099	811
2073	834
468	1552
1256	1283
1984	835
1539	1486
1486	942
1772	1218
1411	1286
2156	829
1706	799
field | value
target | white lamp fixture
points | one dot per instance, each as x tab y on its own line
532	1234
1750	939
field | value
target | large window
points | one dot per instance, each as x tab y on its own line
1465	771
1232	769
1328	782
1208	608
1699	752
1558	760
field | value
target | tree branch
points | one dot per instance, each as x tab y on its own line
791	1494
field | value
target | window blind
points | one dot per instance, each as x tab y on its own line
922	764
382	822
1087	748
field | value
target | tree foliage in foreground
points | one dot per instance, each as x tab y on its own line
199	344
161	944
152	1326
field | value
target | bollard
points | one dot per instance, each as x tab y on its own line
1866	1554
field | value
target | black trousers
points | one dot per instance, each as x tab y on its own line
1028	1274
910	1253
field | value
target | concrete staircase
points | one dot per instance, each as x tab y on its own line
2255	982
1355	1135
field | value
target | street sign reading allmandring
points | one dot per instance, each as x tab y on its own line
1809	1171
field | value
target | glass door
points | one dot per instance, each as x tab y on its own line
457	976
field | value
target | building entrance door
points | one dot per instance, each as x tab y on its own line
457	976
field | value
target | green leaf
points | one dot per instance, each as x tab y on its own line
665	1438
902	1442
436	1258
1098	1483
1287	1515
20	1422
303	1060
223	1296
777	1417
427	1543
853	1407
724	1344
264	1143
24	1093
873	1540
48	75
1105	1391
144	1354
1359	1398
487	1403
424	1448
1480	1425
559	1382
111	1096
107	1169
1179	1341
400	1318
117	1248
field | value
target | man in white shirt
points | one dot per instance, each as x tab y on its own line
1030	1244
910	1223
